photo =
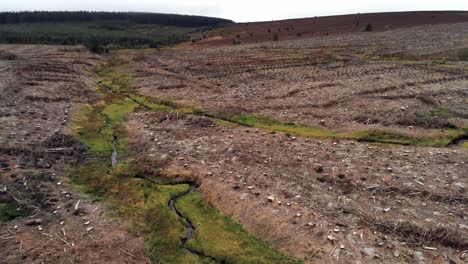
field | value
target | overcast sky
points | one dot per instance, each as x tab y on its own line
239	10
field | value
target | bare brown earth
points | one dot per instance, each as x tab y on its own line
333	201
323	26
351	81
41	87
324	201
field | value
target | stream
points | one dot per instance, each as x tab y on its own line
173	208
457	142
190	228
114	152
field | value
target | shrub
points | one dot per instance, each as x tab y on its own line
140	57
95	47
4	55
463	54
275	37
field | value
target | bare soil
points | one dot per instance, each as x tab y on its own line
41	87
353	81
319	200
324	201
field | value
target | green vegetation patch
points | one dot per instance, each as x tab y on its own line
224	239
442	112
464	145
101	31
98	37
92	130
144	202
271	124
443	139
9	211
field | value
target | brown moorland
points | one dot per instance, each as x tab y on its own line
319	26
272	132
324	200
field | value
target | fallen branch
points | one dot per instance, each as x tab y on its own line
331	252
25	203
128	253
63	240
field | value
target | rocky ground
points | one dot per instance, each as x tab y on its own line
329	200
346	82
320	200
325	201
41	87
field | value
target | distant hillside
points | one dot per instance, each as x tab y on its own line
307	27
132	17
101	31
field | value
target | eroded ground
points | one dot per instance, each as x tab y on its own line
41	88
388	80
325	200
320	200
310	189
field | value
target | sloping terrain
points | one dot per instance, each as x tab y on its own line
101	31
322	201
326	200
323	26
63	116
392	81
41	87
330	149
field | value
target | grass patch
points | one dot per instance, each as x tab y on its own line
267	123
442	140
9	211
91	130
385	137
141	203
144	202
464	145
441	112
222	238
263	122
119	82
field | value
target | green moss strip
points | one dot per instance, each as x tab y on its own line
144	202
222	238
441	112
267	123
